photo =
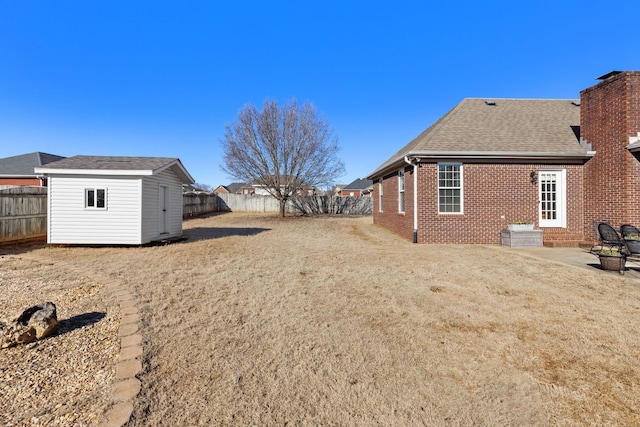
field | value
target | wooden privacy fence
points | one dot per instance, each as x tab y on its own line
308	205
194	204
248	203
23	210
23	213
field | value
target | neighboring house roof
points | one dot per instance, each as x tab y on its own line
358	184
234	187
221	188
116	165
24	164
500	129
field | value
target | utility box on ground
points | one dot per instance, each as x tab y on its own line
521	239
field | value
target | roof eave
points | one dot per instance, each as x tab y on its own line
481	156
634	148
111	172
185	177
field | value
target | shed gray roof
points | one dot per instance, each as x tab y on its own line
24	164
116	165
500	129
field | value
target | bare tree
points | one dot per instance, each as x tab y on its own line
203	187
283	149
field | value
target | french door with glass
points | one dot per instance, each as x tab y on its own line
552	196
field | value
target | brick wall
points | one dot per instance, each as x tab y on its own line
351	193
390	218
609	115
494	195
20	181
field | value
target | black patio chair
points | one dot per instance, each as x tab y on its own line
631	236
628	231
611	240
612	248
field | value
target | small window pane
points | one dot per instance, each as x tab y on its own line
100	199
90	198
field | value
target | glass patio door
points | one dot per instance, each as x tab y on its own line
552	197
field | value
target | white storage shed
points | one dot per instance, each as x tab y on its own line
106	200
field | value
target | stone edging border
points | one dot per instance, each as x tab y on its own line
129	364
129	360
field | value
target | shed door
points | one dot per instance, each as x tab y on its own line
552	193
163	210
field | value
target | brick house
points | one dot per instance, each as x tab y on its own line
19	170
564	165
357	188
234	188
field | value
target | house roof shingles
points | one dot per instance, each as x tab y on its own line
359	184
500	127
24	164
234	187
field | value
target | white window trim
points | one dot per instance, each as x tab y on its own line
380	194
461	166
95	199
401	190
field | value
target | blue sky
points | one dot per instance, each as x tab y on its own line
157	78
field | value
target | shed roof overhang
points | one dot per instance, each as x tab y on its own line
175	165
506	157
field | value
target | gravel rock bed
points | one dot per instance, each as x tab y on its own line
66	379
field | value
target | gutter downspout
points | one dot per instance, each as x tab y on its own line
415	196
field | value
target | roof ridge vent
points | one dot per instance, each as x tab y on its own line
489	102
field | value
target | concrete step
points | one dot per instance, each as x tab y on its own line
563	243
563	240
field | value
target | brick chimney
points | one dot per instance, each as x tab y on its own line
610	123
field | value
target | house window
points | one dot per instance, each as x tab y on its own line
449	188
380	196
401	190
95	198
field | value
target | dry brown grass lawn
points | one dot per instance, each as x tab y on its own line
257	320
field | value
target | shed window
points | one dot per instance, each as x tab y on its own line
95	198
450	188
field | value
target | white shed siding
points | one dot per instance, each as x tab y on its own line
70	222
151	206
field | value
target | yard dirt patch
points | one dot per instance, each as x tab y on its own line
257	320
